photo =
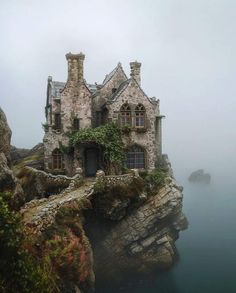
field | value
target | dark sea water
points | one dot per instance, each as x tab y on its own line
207	249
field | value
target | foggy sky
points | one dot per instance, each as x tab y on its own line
187	49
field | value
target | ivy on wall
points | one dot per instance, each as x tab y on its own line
108	136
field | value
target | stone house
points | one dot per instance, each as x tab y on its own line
76	104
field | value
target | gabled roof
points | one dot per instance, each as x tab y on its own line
112	73
122	88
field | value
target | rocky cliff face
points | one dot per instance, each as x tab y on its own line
144	239
131	226
8	182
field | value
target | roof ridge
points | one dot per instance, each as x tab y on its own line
111	74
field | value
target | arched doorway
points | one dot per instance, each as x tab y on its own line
91	161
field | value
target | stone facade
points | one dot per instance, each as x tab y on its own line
76	105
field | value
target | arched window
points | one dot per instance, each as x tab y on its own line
135	157
140	116
125	113
56	159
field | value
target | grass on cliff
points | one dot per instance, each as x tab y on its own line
66	249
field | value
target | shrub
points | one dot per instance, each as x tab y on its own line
155	180
19	271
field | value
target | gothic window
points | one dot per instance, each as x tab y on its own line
140	116
56	159
135	157
57	121
125	115
76	124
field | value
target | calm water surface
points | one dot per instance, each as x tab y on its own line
207	249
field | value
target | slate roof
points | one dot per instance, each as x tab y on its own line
57	87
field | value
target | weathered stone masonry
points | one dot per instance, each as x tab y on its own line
77	105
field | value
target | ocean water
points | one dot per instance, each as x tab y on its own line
207	249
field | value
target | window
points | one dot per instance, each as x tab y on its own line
76	125
98	116
56	160
114	89
140	116
57	121
135	158
125	113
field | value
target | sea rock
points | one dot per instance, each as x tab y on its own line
200	177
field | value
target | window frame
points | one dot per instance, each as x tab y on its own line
57	160
125	115
57	121
135	157
140	116
76	124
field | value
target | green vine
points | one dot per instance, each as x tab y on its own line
108	136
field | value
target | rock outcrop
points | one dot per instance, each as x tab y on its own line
200	177
144	239
130	230
27	157
8	182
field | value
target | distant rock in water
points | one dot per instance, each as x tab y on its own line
200	177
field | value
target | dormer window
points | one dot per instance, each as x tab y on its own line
76	124
125	115
140	114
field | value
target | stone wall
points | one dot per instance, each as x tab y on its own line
113	180
39	184
133	95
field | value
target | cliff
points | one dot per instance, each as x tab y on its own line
141	233
108	227
132	225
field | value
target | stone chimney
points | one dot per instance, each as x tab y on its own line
135	71
75	67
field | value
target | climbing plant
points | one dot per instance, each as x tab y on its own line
108	137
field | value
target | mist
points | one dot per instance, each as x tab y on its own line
187	53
